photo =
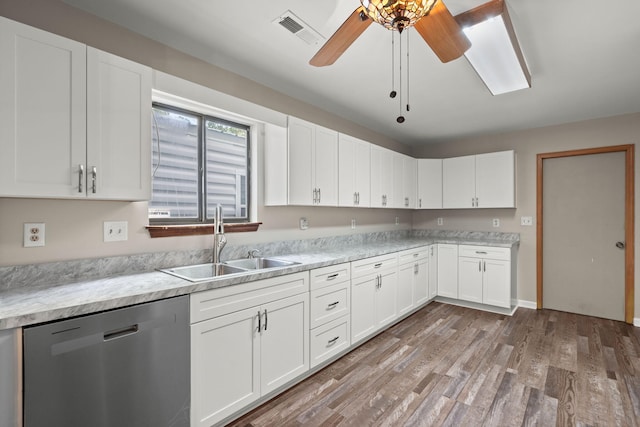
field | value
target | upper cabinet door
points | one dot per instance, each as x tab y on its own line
43	113
495	180
409	180
326	166
429	184
354	168
381	177
458	182
301	162
118	127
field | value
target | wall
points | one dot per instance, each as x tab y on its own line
617	130
74	228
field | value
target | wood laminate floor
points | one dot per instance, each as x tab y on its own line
452	366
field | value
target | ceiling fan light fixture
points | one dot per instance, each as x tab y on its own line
397	15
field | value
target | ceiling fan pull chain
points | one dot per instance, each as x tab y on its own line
392	94
400	118
408	71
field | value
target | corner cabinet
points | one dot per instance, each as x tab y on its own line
313	164
479	181
246	341
448	270
75	121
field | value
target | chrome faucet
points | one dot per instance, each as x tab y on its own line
219	240
253	253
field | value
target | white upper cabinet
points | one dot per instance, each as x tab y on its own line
479	181
313	164
75	121
118	127
382	174
409	182
43	112
429	184
354	170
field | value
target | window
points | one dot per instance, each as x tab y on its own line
198	162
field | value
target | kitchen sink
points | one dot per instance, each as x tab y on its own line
259	263
200	272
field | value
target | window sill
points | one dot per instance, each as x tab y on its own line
199	229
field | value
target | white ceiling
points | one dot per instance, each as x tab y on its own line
583	56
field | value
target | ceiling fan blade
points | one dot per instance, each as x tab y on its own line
443	33
340	41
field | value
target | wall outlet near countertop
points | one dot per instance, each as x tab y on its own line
33	234
353	224
526	220
304	223
495	222
440	221
115	231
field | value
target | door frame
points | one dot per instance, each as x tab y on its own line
629	219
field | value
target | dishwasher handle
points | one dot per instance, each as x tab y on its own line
122	332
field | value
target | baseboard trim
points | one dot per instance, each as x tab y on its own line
636	322
527	304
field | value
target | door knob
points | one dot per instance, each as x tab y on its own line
620	245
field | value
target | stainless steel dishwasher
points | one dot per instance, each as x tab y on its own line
127	367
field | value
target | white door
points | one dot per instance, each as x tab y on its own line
284	341
429	184
301	162
458	182
583	218
118	127
448	270
406	283
43	120
326	166
225	366
470	279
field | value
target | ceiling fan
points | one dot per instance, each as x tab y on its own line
431	19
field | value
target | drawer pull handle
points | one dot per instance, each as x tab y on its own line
332	305
333	340
481	252
416	255
378	265
333	276
119	333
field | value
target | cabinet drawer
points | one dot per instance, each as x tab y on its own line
329	303
218	302
331	275
328	340
489	252
373	265
412	255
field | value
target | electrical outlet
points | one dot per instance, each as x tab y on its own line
304	223
526	220
397	221
496	222
115	231
353	224
440	221
33	234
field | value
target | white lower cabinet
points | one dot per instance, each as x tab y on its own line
374	284
330	308
484	275
448	270
413	279
433	271
246	341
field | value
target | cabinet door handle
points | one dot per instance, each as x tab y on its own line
333	341
484	266
94	175
419	203
333	276
416	268
259	321
479	265
380	276
332	305
406	202
80	177
355	198
266	319
319	196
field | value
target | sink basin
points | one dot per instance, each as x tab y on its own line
259	263
200	272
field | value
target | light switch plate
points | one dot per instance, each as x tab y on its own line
115	231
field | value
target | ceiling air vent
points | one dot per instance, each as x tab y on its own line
297	26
